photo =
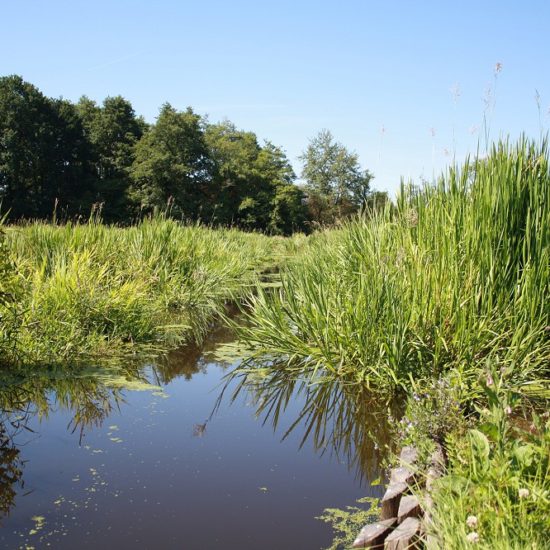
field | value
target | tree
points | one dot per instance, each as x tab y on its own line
234	154
335	183
172	165
255	183
43	152
113	130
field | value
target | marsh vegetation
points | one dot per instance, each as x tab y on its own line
422	321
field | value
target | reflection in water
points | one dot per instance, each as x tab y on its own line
89	394
334	421
192	359
11	471
352	424
22	398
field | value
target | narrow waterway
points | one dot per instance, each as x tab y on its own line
99	462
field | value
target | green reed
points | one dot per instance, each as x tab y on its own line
82	290
454	274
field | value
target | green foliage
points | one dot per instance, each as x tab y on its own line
92	290
435	412
458	273
335	183
172	165
254	182
497	491
64	160
112	131
43	153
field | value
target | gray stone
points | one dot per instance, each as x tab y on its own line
409	506
390	500
407	535
373	535
402	475
409	455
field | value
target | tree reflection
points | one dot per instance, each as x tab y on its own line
23	398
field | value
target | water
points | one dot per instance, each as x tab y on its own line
108	467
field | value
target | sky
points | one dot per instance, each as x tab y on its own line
407	85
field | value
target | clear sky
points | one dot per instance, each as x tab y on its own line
403	83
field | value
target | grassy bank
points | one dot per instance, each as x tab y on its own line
434	300
72	292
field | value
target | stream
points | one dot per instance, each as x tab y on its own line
89	461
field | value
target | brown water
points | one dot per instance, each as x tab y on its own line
108	467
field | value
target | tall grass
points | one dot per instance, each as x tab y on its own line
442	289
453	276
90	289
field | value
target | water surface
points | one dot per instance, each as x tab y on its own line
110	467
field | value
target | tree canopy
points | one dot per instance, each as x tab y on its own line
335	183
70	159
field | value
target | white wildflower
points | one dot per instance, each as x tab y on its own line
471	522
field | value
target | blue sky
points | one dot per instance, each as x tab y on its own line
403	83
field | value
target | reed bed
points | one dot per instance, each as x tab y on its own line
77	291
436	300
454	276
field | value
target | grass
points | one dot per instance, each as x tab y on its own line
456	274
79	291
496	493
450	281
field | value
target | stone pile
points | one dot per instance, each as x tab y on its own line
403	522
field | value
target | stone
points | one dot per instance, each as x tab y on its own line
407	535
409	455
409	506
373	535
402	475
390	500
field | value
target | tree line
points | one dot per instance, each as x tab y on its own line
69	159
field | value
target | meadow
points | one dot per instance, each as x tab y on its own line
75	292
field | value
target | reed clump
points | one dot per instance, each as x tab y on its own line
77	291
455	275
441	300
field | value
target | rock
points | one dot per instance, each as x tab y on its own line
409	455
407	535
402	475
409	506
390	500
436	468
373	535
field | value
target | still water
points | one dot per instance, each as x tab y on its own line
96	462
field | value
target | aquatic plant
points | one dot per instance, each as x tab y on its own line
90	290
455	274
